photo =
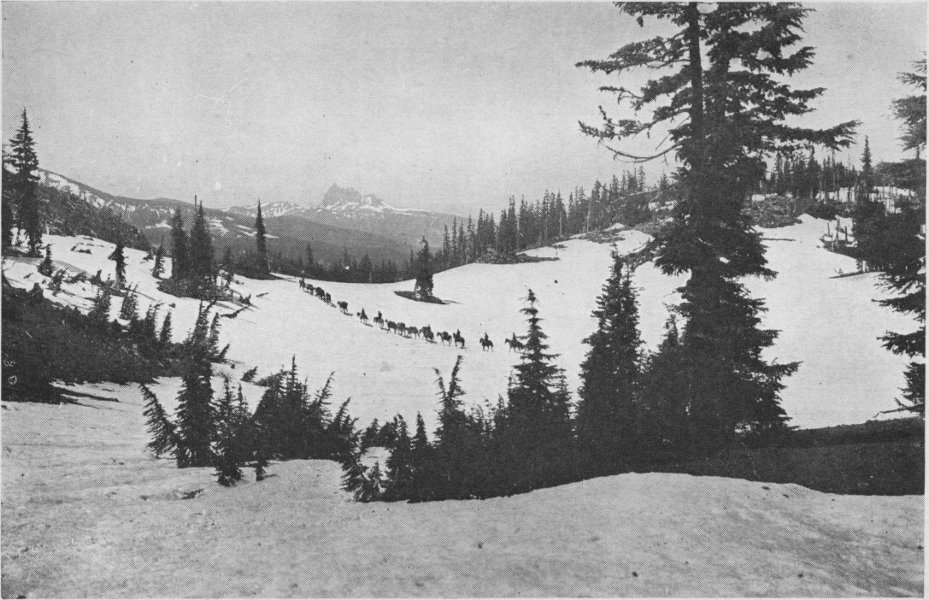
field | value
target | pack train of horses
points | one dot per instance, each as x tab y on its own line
400	328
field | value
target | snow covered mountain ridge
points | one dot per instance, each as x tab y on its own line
336	200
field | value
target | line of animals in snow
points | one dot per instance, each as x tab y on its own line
426	333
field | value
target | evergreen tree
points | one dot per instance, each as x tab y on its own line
423	287
6	217
353	475
399	480
164	338
24	182
866	181
201	246
46	267
905	271
372	486
100	312
119	258
195	411
912	109
160	428
455	467
180	249
260	243
722	144
148	331
905	274
158	267
536	432
607	412
420	458
129	308
663	416
370	435
228	447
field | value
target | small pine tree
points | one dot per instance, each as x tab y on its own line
164	338
372	485
180	248
100	312
423	288
160	428
353	475
47	267
227	450
420	457
866	181
119	258
129	309
249	375
399	479
195	411
158	267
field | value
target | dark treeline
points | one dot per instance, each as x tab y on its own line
44	343
348	268
527	224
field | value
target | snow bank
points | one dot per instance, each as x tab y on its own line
86	512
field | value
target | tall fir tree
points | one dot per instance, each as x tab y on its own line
261	245
180	248
905	275
866	181
724	118
537	433
905	271
201	246
24	180
607	411
158	267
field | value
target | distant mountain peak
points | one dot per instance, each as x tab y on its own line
348	198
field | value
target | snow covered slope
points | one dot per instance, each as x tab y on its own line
830	324
86	512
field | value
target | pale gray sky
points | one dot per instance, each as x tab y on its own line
439	105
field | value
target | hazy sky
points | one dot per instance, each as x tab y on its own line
439	105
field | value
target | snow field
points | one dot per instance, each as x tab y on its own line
86	512
830	324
